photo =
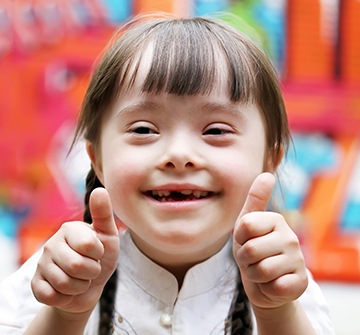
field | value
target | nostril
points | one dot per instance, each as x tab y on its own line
172	165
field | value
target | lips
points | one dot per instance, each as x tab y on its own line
183	195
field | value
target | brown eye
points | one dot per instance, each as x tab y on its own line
215	131
143	131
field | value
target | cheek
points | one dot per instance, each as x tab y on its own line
119	163
121	191
237	176
122	176
237	185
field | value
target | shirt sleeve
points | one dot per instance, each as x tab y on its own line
18	305
316	308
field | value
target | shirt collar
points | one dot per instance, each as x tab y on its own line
220	268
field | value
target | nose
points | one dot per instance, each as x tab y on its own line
180	154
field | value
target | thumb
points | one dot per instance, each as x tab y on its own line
101	212
259	194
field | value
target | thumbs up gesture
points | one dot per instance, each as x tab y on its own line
79	259
267	251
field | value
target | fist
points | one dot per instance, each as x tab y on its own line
267	251
79	259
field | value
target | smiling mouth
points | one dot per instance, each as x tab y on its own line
185	195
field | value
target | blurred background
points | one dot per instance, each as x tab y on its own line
47	51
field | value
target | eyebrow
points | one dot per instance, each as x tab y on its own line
139	105
149	106
219	107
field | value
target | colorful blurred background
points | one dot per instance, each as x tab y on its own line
47	51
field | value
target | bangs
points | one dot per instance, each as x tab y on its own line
188	57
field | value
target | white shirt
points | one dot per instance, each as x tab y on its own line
148	297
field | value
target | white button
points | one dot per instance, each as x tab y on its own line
166	319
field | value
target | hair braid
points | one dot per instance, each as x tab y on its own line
107	299
239	320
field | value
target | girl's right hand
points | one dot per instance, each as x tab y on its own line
79	259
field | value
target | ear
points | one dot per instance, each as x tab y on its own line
273	160
95	160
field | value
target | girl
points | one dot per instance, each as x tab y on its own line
185	125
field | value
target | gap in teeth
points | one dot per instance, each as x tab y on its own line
165	195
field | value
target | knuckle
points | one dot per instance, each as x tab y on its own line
278	217
34	285
264	271
75	267
84	269
47	298
294	242
277	288
246	222
93	270
243	229
287	286
47	249
68	286
62	284
250	251
88	243
43	292
303	280
67	225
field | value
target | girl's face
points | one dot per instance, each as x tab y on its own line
178	169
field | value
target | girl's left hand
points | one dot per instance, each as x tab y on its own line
267	251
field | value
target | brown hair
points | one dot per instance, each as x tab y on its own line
191	56
186	62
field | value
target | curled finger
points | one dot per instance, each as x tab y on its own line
62	282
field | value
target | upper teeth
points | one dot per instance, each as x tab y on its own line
195	193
